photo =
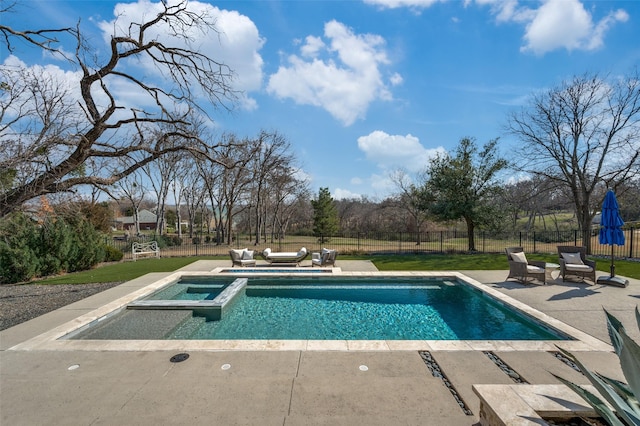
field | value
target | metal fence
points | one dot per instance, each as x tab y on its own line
452	241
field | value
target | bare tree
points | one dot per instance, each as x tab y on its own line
48	135
585	136
131	190
412	199
234	182
270	155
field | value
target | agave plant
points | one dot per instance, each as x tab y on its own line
621	396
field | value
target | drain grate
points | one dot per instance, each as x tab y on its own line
505	368
436	371
179	357
567	361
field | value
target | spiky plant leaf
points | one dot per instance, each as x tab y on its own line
630	362
601	408
619	404
623	390
614	327
638	317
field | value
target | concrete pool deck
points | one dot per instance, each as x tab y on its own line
353	384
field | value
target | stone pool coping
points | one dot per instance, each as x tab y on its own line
50	340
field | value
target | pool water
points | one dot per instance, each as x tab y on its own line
192	288
370	309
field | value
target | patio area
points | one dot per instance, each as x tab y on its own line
348	383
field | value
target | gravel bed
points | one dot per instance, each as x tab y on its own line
20	303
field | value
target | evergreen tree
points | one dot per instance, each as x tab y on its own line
463	185
325	215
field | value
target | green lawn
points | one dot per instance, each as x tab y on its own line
430	262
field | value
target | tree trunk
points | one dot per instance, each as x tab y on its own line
470	234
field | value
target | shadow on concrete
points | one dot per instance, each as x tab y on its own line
574	293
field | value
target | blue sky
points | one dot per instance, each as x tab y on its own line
362	88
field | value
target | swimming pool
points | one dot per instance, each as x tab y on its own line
327	308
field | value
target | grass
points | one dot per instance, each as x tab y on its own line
125	271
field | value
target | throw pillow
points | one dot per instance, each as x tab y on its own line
572	258
247	255
519	257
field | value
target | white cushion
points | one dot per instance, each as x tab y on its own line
266	252
535	269
578	268
247	254
519	257
302	251
237	254
572	258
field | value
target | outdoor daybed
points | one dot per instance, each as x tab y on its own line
285	257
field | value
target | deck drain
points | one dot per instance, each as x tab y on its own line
436	371
363	368
505	368
225	366
179	357
567	361
73	367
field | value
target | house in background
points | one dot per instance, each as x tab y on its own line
146	218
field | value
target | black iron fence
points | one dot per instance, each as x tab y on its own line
452	241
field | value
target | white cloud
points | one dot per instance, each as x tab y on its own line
356	181
394	4
556	24
236	43
393	151
345	194
342	75
312	46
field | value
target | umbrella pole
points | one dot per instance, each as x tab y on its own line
613	267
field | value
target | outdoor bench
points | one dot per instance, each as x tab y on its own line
145	249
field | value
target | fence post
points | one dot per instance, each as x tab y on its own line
520	238
632	231
441	241
534	241
358	241
575	237
483	242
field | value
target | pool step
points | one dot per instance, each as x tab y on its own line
211	309
137	325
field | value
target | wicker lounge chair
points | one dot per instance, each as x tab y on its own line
573	261
522	269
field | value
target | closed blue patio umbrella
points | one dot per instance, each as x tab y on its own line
611	234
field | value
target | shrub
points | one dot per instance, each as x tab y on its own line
112	254
17	264
56	242
87	250
18	259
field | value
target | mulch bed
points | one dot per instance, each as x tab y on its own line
22	302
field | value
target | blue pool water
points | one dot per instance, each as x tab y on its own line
192	288
329	308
